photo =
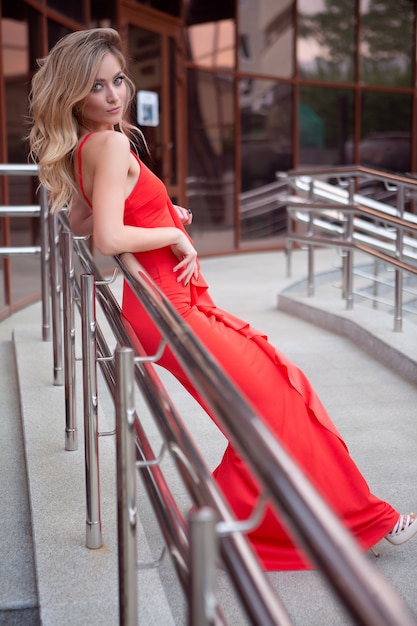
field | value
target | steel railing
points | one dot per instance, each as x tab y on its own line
365	593
8	251
324	214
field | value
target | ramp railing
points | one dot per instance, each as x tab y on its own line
327	208
366	594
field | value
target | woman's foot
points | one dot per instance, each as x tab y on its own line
404	529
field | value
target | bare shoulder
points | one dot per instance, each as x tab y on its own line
110	138
107	142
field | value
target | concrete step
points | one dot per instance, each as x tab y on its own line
76	586
18	591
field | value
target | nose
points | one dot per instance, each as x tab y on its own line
111	95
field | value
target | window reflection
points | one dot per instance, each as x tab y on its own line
172	7
74	10
55	32
15	70
387	42
213	44
145	69
266	37
266	139
326	40
266	148
325	126
15	48
210	181
386	131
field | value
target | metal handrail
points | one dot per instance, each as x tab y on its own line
264	605
347	171
41	211
344	220
366	594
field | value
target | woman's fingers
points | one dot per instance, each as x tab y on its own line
189	267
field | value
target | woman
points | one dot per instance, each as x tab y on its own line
84	146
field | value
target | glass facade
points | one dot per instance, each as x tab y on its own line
211	158
326	46
387	42
325	125
243	89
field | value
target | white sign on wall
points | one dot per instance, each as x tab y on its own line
147	108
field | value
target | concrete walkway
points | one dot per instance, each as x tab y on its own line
372	401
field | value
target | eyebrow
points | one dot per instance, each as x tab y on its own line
103	80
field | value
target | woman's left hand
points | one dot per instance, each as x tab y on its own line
185	215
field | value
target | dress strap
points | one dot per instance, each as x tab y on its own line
80	178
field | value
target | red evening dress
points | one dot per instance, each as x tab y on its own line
279	392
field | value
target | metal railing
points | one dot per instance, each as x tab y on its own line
365	593
8	251
324	214
261	211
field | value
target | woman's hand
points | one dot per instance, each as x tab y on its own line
185	215
186	253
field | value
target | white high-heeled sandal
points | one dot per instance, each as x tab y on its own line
404	529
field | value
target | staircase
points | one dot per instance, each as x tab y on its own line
18	590
47	575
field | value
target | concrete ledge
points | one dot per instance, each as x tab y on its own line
386	346
18	593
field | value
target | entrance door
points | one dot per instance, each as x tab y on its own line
154	58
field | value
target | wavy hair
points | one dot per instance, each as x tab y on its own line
64	79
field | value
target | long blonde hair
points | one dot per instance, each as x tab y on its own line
64	79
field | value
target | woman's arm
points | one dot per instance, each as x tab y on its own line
108	161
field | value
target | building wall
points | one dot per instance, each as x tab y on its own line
258	86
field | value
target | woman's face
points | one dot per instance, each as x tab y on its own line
103	108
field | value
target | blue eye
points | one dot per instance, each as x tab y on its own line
119	80
97	87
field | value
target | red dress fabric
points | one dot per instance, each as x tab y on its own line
279	392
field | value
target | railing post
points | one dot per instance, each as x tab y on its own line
310	247
126	487
92	472
71	438
348	258
203	554
55	278
44	263
399	242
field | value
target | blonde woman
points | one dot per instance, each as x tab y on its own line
89	158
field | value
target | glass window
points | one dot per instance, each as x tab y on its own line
145	69
55	32
211	163
266	131
172	7
212	44
386	131
17	190
325	126
73	10
266	148
326	40
266	37
15	72
211	33
387	42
